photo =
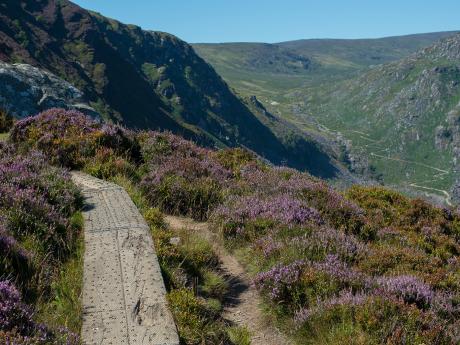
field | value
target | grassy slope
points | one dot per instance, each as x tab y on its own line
243	64
397	108
304	98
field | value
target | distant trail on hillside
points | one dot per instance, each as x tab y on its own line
242	305
124	297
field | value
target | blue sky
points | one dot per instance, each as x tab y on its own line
282	20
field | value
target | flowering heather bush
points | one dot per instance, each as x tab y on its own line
344	298
36	200
282	282
291	283
181	178
337	210
17	325
189	168
106	164
326	240
236	159
268	245
237	214
158	146
338	270
409	288
13	258
69	137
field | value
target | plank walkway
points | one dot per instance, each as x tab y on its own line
123	290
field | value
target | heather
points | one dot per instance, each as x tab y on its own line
71	138
364	265
368	263
38	237
182	178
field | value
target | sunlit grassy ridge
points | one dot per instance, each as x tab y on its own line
366	266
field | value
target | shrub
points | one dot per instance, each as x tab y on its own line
155	218
17	325
181	178
235	159
106	164
235	216
69	137
38	234
178	195
36	201
158	146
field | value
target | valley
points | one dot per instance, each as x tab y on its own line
370	99
158	192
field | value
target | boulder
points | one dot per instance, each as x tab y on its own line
26	90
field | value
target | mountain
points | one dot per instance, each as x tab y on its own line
273	68
359	53
404	115
391	103
145	79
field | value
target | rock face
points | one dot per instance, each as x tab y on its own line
456	192
27	90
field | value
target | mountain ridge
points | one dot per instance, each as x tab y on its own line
338	99
144	79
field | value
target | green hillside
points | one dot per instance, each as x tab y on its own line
404	116
145	79
392	104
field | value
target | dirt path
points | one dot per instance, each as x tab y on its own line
242	305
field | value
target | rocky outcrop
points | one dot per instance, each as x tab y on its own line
455	193
27	90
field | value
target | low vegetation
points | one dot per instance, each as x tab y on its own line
6	122
39	242
367	266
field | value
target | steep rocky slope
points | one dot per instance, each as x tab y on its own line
143	79
405	115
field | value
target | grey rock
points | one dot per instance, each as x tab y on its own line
26	90
456	193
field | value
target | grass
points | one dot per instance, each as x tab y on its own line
4	136
65	308
239	335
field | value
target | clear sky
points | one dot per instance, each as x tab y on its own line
282	20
